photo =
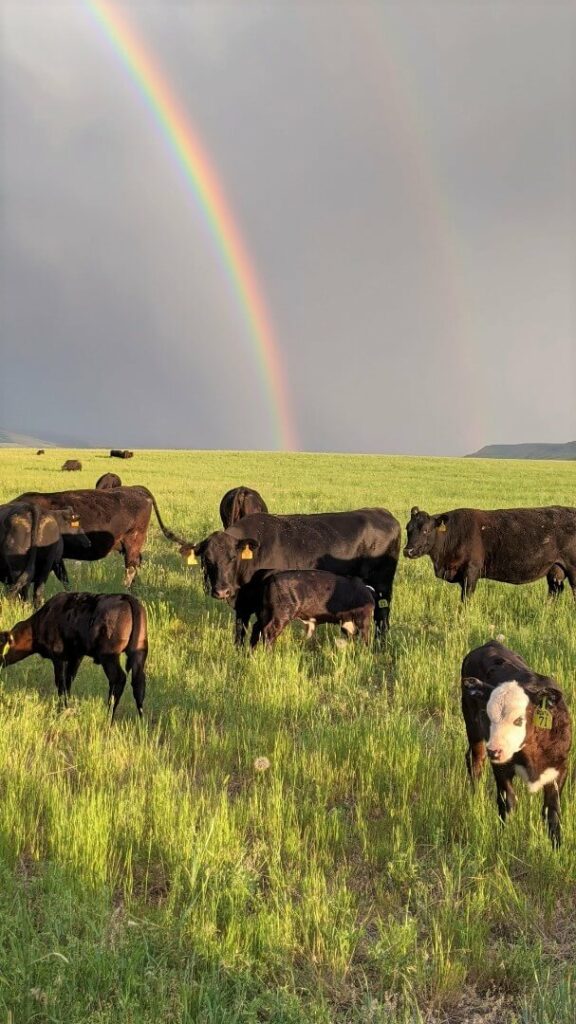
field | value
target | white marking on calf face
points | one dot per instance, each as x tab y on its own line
506	710
548	775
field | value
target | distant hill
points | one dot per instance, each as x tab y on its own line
8	439
526	451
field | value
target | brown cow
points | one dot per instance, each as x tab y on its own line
240	502
108	481
40	451
72	465
32	545
115	520
121	453
70	627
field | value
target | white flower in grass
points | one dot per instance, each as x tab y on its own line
500	638
261	764
492	628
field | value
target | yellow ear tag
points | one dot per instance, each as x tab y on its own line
75	523
442	528
543	717
246	553
6	648
191	560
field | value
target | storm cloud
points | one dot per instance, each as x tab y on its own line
403	178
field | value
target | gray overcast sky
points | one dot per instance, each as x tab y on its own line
404	176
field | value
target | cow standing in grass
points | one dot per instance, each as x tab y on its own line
363	543
519	718
313	596
32	545
511	545
107	482
113	520
70	627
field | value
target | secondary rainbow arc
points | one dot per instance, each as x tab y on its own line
178	131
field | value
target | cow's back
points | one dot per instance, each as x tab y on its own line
494	663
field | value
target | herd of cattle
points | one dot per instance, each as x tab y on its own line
333	567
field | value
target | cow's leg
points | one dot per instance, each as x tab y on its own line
132	551
116	679
469	581
551	808
505	795
59	666
571	574
60	572
475	758
272	629
555	579
137	664
72	666
256	634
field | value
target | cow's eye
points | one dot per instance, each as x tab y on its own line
518	721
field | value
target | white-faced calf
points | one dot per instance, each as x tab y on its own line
518	717
311	595
70	627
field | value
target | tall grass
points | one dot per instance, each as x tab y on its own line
151	872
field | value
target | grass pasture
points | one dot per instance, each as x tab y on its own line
152	873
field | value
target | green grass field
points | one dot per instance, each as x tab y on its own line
150	873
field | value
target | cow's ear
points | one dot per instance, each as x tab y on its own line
547	694
476	688
441	523
246	547
199	548
414	511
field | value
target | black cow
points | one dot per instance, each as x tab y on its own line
71	627
311	595
522	717
121	453
107	482
512	545
40	452
72	466
115	520
363	543
240	502
32	545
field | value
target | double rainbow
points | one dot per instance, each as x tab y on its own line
183	140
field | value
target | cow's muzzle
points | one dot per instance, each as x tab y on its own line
221	593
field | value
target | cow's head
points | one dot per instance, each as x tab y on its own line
227	563
510	708
422	531
69	525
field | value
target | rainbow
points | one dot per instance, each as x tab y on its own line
178	131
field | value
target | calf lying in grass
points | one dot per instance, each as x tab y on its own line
522	717
70	627
311	595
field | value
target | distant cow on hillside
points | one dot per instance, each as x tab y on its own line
121	453
511	545
108	481
71	627
72	465
240	502
40	452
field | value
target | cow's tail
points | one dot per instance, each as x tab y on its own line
138	640
169	534
27	574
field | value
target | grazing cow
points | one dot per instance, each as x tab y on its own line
32	545
72	465
522	717
512	545
121	453
240	502
363	543
107	482
311	595
70	627
40	452
115	520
